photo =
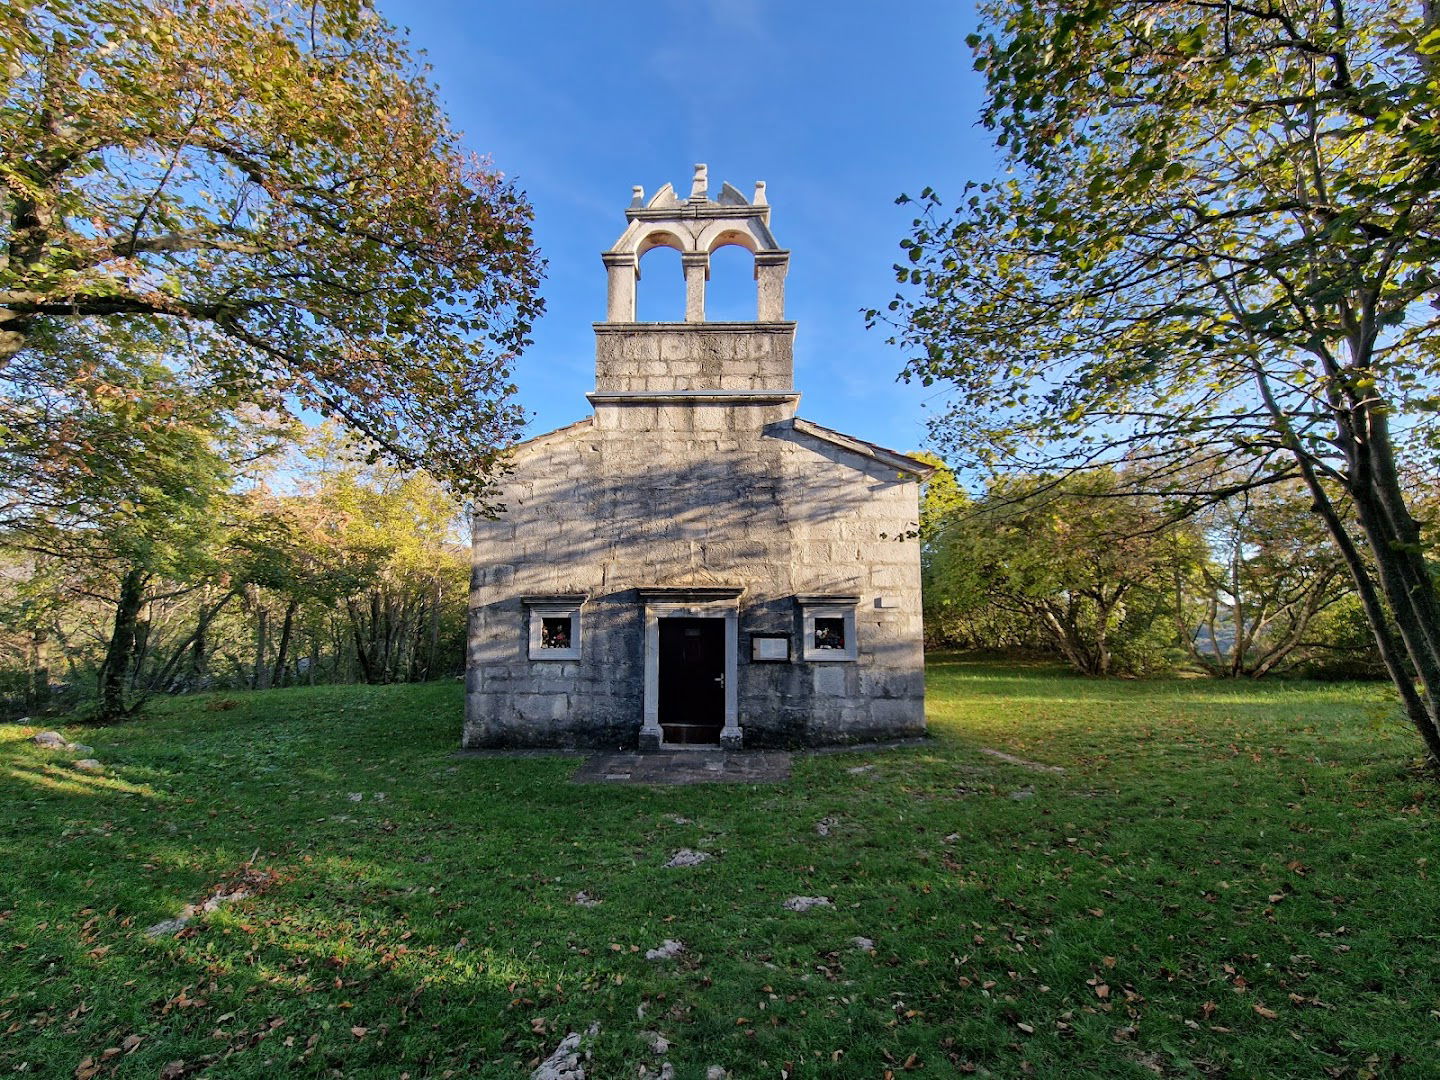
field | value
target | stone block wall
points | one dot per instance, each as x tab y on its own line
695	494
670	357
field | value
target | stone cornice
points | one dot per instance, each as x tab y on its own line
694	327
693	397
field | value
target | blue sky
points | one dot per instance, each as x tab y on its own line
838	107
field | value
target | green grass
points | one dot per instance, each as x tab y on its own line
1211	851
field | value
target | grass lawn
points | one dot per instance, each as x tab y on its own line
1226	880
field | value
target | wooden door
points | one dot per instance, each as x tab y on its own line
692	680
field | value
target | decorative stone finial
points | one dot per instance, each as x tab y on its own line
699	186
759	199
637	196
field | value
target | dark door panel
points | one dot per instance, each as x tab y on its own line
692	680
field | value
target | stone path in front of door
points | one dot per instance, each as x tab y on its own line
690	766
686	767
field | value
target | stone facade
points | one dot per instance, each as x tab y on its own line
694	492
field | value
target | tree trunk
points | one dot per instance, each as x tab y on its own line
121	648
361	654
282	650
434	632
141	648
37	695
262	671
200	644
1420	709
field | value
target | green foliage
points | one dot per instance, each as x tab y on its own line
276	184
1272	574
1065	560
1214	853
1212	259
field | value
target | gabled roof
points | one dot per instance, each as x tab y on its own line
891	458
558	433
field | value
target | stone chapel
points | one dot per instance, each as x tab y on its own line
694	563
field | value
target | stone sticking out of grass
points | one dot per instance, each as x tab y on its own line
716	1072
564	1062
805	903
53	740
864	944
860	770
658	1044
678	820
248	882
89	764
1010	759
1022	794
356	796
667	950
166	927
584	899
824	825
686	857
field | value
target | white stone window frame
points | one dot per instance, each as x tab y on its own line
827	607
540	608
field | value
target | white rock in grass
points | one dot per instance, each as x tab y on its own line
356	796
166	927
659	1045
668	950
805	903
860	770
864	944
51	740
584	899
89	764
564	1063
686	857
716	1072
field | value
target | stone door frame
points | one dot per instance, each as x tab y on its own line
697	603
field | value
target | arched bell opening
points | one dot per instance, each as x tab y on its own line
730	294
660	288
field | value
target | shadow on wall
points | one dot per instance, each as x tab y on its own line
578	512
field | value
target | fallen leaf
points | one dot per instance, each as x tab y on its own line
359	1032
1268	1014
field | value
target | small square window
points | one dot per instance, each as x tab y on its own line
829	632
828	627
554	632
554	629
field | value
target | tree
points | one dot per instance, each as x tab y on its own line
275	182
1272	571
1217	242
1086	572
